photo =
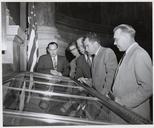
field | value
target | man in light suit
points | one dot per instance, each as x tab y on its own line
104	64
133	79
103	68
51	63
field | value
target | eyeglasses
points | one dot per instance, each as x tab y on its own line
73	49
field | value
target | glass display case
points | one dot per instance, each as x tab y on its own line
35	99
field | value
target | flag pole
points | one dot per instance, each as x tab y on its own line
32	51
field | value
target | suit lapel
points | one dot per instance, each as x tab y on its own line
129	54
97	58
84	61
125	60
50	59
58	62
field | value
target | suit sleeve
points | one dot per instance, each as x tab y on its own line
65	68
72	68
110	67
41	66
78	70
143	73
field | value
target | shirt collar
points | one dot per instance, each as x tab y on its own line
55	57
86	57
130	47
97	50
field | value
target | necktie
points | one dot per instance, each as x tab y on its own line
89	61
54	63
92	56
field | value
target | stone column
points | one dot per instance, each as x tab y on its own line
47	31
23	18
45	12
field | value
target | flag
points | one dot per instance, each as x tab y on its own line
32	47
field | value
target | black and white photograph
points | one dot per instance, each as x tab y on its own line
82	63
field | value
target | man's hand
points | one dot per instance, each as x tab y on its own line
118	101
55	73
87	81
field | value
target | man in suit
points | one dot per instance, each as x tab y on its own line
133	79
83	71
104	64
83	68
51	63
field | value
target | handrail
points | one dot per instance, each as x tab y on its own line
55	84
126	114
48	117
39	75
48	93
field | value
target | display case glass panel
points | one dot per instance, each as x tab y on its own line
34	99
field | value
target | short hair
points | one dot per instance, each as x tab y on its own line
72	44
82	39
51	43
92	36
126	28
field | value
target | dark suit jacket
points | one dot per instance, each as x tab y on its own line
45	65
103	69
82	68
